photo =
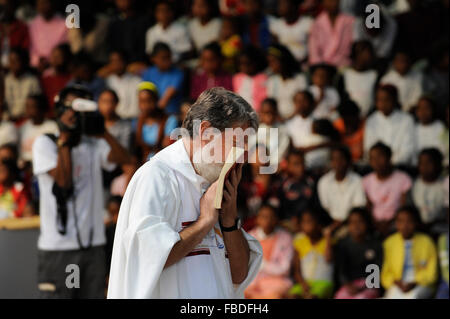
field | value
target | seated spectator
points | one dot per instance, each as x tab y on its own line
124	84
47	30
436	81
168	31
120	183
14	199
331	36
118	128
8	131
430	132
285	79
167	78
272	280
386	188
351	127
295	188
391	126
35	125
354	253
409	268
56	77
83	73
19	83
16	35
326	96
153	125
443	251
112	208
427	193
291	29
204	26
257	25
340	189
230	42
210	74
313	260
360	79
250	82
407	81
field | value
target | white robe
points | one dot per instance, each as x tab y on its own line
162	198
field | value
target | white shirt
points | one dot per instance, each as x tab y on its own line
431	135
126	88
17	90
88	158
339	197
202	35
284	91
326	108
162	198
294	36
175	36
429	198
409	87
29	132
360	86
396	131
8	133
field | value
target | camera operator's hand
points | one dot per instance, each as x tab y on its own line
68	118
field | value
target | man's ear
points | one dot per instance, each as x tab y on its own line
204	125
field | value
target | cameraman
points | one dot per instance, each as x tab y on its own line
68	168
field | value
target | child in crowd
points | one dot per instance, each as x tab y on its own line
204	26
250	82
55	78
120	129
295	189
430	131
386	187
257	24
35	125
313	260
361	78
391	126
443	250
354	253
427	193
291	29
153	125
331	36
14	199
409	268
168	31
285	79
272	281
9	152
230	42
340	189
112	208
408	82
123	83
350	125
19	83
167	78
326	96
210	74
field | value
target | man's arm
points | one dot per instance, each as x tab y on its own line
62	173
118	154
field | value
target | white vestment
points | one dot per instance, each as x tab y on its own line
162	198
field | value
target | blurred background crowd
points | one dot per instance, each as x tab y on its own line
362	116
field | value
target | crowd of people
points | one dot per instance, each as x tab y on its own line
362	115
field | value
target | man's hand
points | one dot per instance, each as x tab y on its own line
228	213
208	214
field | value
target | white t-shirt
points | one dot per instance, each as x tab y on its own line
175	36
28	134
429	198
284	91
8	133
360	86
126	88
294	36
88	158
431	135
409	87
202	35
339	197
326	108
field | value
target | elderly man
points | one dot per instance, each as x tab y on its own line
170	240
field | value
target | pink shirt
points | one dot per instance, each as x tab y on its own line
44	36
386	195
251	88
331	44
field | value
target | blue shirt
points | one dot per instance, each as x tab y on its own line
164	80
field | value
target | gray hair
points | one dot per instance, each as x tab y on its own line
222	108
